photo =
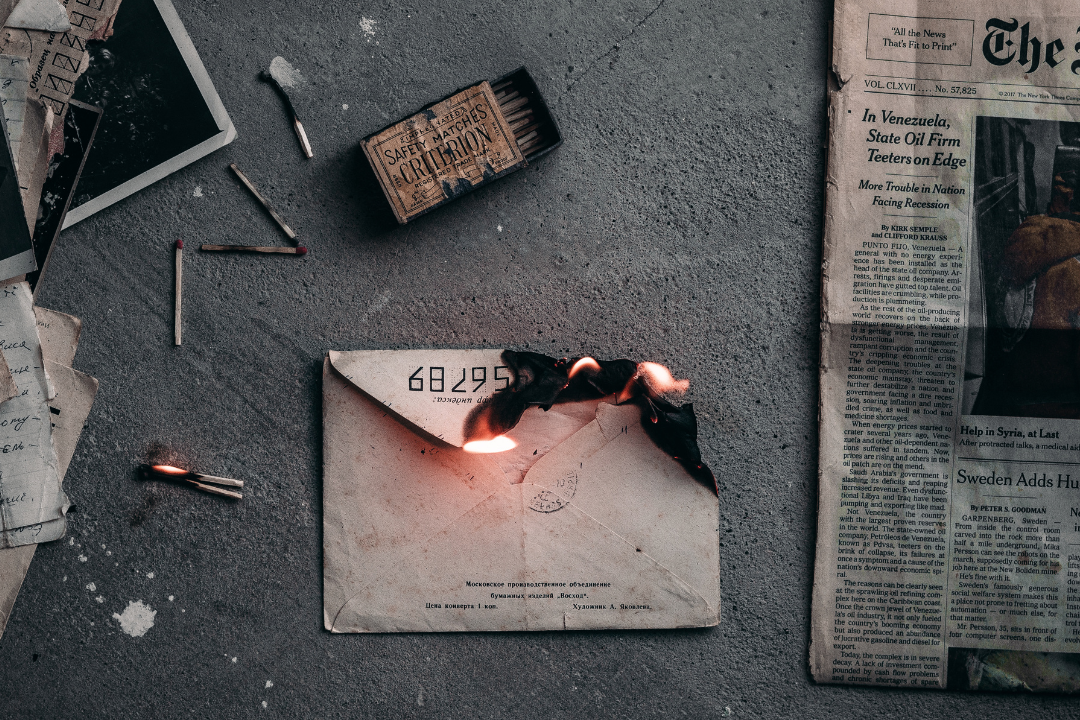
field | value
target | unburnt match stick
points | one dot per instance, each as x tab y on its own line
265	203
255	249
179	286
514	104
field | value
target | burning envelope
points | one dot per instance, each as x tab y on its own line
569	518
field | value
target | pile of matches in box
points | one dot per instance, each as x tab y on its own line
519	115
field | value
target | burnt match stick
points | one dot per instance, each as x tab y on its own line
179	286
206	483
255	249
268	77
265	203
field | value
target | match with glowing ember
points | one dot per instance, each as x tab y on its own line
543	381
206	483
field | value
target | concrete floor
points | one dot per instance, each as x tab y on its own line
680	222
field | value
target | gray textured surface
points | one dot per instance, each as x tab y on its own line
680	223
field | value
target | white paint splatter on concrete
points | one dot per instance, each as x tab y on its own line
499	228
83	558
234	660
198	192
344	106
65	578
171	598
285	73
136	619
375	307
269	684
108	552
367	26
150	576
264	704
71	541
100	599
91	587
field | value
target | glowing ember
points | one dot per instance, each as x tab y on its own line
495	445
659	379
585	363
169	470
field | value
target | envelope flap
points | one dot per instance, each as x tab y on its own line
432	389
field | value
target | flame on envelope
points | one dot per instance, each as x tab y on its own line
494	445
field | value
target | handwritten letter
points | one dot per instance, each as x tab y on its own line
30	492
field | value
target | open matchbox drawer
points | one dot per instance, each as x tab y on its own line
461	142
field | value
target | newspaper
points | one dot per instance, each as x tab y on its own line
949	512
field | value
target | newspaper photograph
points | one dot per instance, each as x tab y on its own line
948	550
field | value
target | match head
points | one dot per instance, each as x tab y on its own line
301	250
179	244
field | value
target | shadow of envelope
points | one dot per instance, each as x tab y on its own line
595	528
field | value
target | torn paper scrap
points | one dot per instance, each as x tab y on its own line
32	163
7	382
14	85
29	130
63	58
59	335
16	246
6	6
45	15
30	490
70	409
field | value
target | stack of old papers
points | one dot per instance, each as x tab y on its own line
47	403
43	401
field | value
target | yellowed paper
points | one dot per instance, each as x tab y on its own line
600	530
29	127
57	60
34	156
29	478
59	334
6	6
47	15
74	398
950	402
14	86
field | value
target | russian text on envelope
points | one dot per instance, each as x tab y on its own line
597	529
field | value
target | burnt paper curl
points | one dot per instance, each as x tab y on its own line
543	381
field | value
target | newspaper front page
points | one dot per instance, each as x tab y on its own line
949	511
